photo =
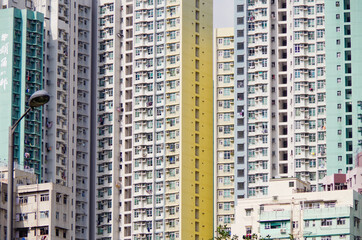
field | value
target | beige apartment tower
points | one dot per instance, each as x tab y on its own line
223	126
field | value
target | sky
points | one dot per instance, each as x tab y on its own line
223	13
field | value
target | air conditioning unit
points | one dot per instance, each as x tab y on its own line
283	230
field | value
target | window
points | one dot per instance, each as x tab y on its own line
320	8
341	221
44	214
320	46
295	224
267	225
297	48
356	222
240	8
306	223
240	46
44	197
23	200
227	154
311	48
310	10
326	222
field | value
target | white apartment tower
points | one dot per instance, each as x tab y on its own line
67	63
110	62
67	78
286	92
154	119
223	126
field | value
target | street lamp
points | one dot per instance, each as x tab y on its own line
37	99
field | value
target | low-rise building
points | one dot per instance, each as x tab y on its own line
350	180
42	211
22	177
298	212
3	209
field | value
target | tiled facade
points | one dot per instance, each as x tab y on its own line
344	101
154	119
21	57
64	71
223	126
285	80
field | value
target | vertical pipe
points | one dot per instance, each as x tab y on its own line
10	186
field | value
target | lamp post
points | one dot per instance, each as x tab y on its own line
37	99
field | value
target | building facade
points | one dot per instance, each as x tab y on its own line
343	61
21	177
154	120
66	64
21	56
350	180
299	213
240	98
67	74
43	211
285	76
223	126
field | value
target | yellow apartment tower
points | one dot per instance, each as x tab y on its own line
154	173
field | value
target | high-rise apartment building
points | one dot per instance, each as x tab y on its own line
223	126
66	64
344	100
285	91
67	115
67	59
154	120
21	60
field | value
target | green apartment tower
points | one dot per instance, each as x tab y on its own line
21	74
344	83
